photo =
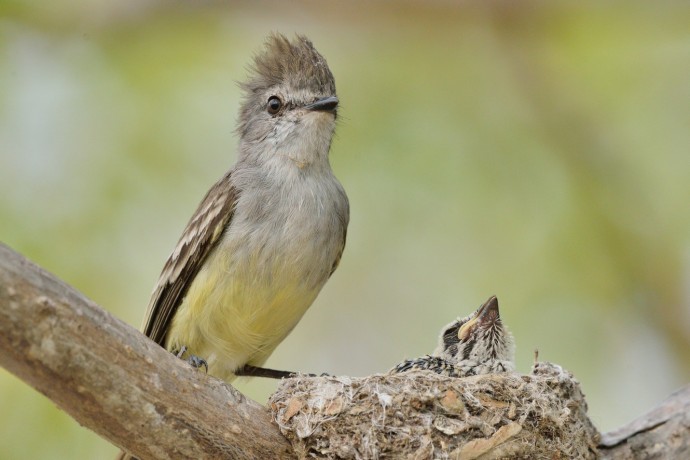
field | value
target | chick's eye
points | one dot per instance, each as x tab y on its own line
274	105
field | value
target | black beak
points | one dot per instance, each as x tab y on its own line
326	104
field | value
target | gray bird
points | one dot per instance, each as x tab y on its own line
476	344
269	233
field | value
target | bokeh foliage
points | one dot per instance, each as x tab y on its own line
538	151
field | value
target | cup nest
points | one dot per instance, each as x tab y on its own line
423	415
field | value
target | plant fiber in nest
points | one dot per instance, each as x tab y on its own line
423	415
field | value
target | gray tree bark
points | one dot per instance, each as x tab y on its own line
663	432
115	381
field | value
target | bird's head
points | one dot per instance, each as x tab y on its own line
478	343
290	103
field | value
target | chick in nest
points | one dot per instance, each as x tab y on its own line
473	345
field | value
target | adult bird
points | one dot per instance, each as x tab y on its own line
267	235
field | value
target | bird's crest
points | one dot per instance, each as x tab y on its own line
295	63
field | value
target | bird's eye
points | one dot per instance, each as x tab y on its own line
274	105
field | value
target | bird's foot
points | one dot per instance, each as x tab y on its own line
195	361
254	371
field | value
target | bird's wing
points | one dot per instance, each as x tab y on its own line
338	256
200	236
344	220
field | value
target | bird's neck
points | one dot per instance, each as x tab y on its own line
306	156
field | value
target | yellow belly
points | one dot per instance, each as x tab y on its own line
236	313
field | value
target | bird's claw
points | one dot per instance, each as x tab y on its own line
195	361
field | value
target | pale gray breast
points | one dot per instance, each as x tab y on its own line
296	224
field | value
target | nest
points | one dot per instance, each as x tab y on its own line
423	415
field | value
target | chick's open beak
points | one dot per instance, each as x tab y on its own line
488	313
485	315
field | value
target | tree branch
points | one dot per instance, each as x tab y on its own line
118	383
663	432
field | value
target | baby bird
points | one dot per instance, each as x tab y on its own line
474	345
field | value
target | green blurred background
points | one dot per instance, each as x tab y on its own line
534	150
